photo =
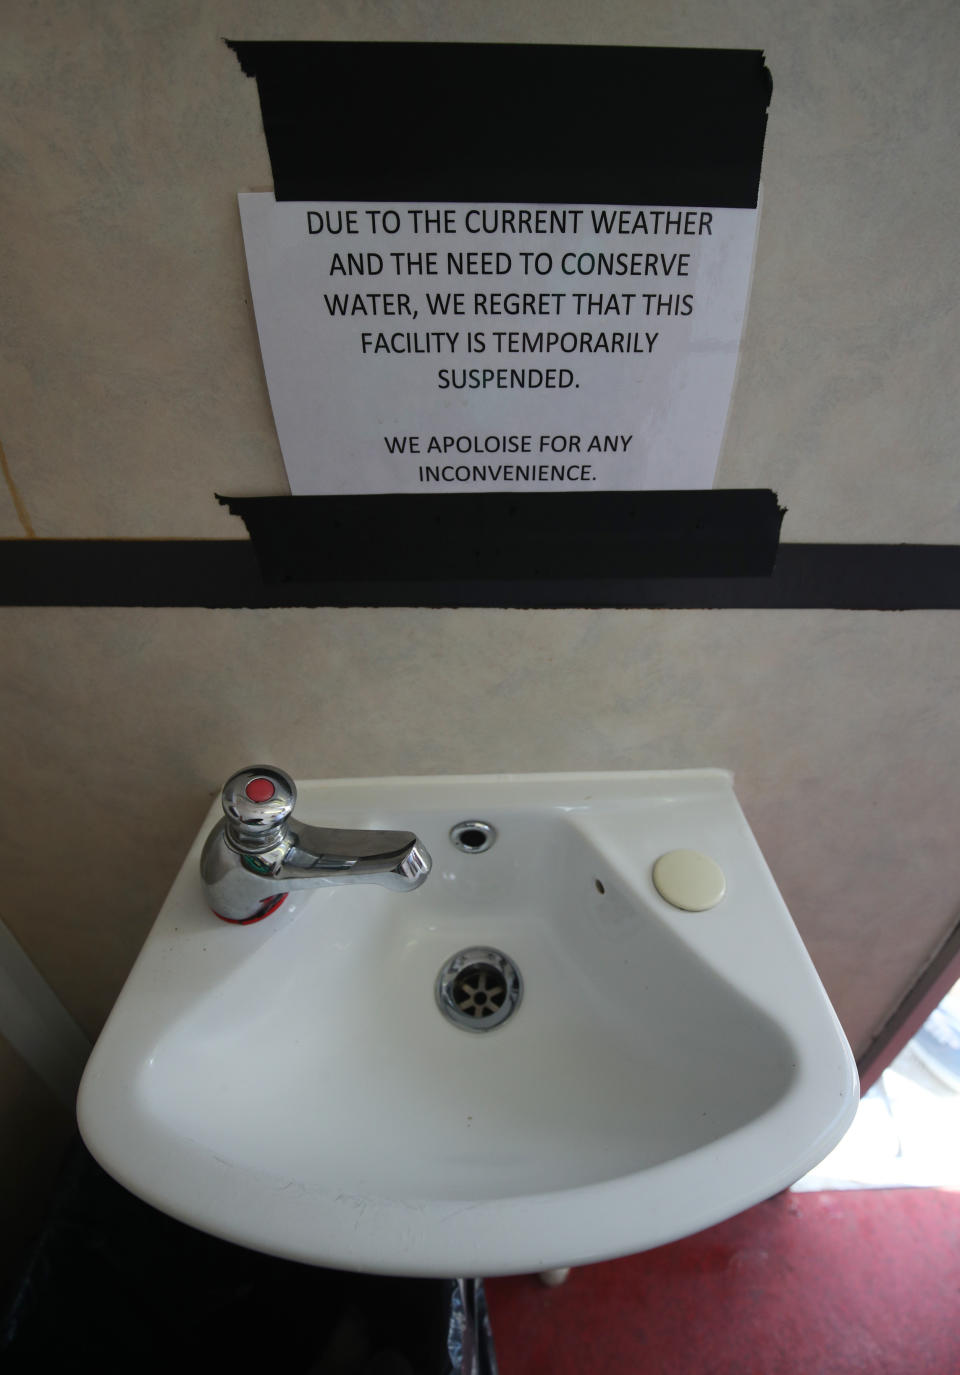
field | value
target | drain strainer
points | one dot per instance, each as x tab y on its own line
478	989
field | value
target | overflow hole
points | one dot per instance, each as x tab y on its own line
473	837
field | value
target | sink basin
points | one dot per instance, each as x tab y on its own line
295	1085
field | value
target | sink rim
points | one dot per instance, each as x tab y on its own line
528	1232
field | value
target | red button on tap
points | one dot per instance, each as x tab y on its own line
259	790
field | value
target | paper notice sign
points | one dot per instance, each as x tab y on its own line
441	348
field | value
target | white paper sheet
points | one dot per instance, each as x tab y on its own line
497	348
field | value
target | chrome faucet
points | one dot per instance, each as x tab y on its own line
259	851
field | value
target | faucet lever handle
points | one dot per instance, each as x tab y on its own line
257	802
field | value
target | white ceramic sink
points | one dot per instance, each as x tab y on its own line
294	1086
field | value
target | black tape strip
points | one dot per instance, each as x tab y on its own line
450	537
509	122
225	573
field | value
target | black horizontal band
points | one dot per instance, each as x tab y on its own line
511	122
226	573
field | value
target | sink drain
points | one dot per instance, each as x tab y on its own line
478	989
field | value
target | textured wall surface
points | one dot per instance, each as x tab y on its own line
133	390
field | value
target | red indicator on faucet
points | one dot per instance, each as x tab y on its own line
259	790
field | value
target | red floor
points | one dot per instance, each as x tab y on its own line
844	1283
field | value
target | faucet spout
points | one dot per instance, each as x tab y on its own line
259	852
393	859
